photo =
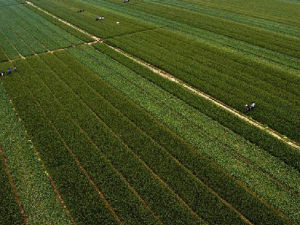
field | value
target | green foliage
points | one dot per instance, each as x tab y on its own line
9	210
138	116
245	64
223	76
272	145
86	20
34	188
67	28
27	32
3	57
80	196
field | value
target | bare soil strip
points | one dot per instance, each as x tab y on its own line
172	78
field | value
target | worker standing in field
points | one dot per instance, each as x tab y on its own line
9	71
1	74
15	69
252	105
247	107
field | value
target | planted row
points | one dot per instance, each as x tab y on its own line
31	182
67	28
80	196
9	210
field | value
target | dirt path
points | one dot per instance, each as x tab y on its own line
172	78
211	99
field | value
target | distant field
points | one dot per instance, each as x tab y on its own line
89	136
23	32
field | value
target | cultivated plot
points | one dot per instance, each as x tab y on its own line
235	56
23	33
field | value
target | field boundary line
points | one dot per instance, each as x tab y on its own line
13	186
199	93
63	21
52	51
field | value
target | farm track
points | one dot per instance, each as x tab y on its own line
14	189
172	78
58	195
56	50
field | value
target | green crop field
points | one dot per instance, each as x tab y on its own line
102	121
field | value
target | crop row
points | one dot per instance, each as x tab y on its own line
7	47
60	36
93	82
285	12
172	109
31	182
80	196
9	209
30	33
3	56
204	36
258	37
232	15
220	81
106	28
5	3
201	131
67	28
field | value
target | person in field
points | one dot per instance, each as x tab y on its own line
9	71
252	105
1	74
247	107
100	18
